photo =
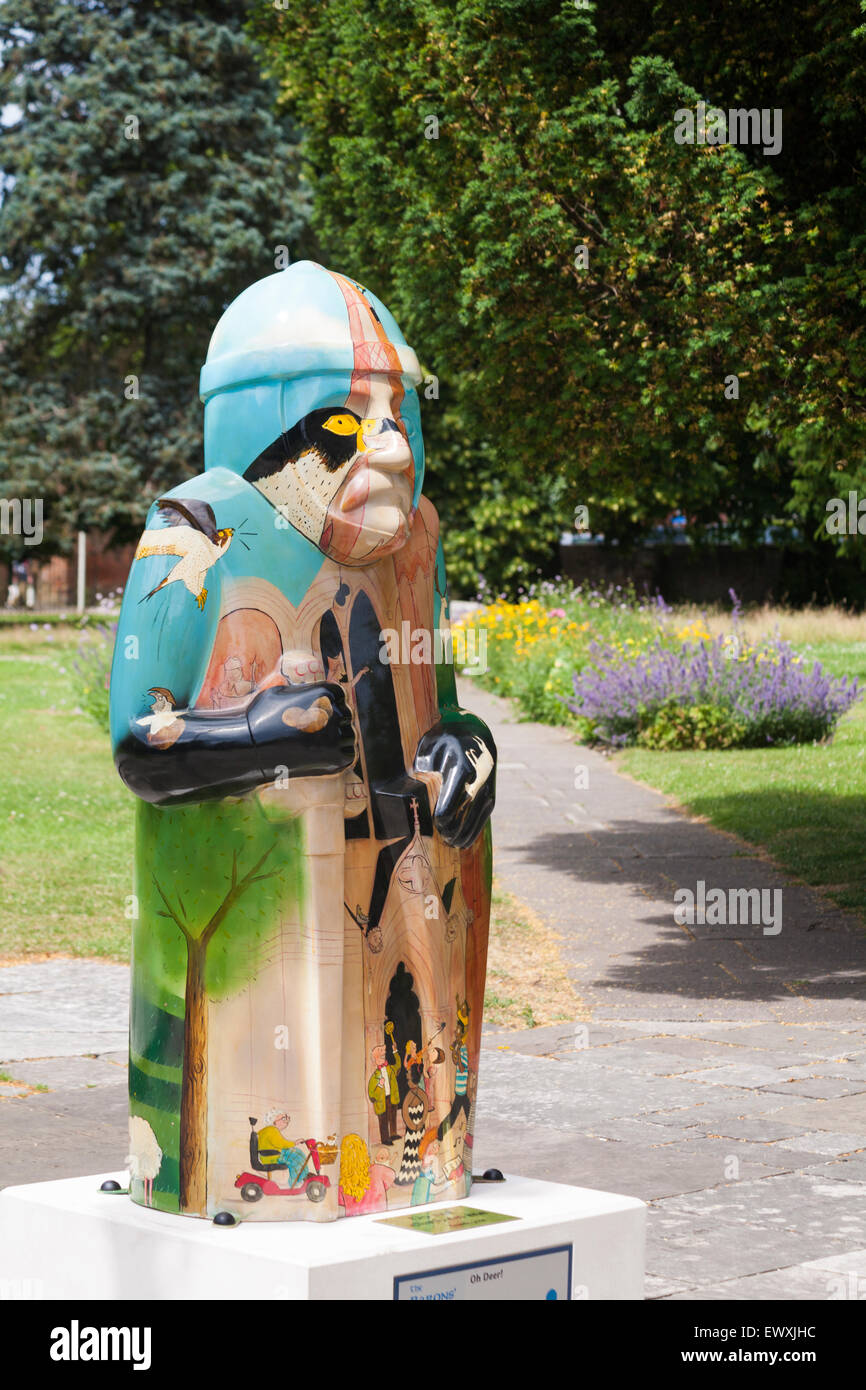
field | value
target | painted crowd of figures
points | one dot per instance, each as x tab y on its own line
423	1141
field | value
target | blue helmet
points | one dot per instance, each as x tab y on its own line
290	344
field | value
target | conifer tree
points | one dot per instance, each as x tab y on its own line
145	182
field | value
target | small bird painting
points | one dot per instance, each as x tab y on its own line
163	725
191	534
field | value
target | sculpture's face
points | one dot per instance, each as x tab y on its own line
345	475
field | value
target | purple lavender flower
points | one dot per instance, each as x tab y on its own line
769	694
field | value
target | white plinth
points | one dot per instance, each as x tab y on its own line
69	1240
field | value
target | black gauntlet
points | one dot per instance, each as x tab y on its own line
203	755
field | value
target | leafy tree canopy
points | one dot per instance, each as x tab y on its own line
505	174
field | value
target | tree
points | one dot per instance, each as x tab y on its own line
807	420
146	181
582	285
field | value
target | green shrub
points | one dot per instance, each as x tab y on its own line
676	726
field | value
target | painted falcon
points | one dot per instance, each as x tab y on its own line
301	472
190	533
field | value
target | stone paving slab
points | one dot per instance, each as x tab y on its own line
848	1168
63	1134
827	1143
758	1077
62	1008
698	1251
799	1283
809	1203
74	1073
632	1163
813	1039
817	1088
843	1115
635	1057
809	1039
718	1053
725	1105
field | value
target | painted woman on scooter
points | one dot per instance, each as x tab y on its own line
288	1156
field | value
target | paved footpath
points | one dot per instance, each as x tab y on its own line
720	1075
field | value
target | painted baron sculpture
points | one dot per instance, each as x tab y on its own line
312	882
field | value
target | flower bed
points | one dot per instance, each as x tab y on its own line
623	672
709	694
532	648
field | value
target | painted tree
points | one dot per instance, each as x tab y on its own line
193	1105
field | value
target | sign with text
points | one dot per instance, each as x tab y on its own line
537	1274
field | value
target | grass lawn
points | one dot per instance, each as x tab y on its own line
66	845
805	805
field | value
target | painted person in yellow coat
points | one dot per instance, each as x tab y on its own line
275	1148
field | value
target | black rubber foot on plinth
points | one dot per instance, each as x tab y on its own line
225	1218
111	1186
489	1175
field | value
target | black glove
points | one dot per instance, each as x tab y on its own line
461	749
304	728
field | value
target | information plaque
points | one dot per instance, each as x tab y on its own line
536	1274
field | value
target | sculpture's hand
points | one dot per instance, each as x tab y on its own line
460	748
306	729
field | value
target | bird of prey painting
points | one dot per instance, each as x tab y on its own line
191	534
303	469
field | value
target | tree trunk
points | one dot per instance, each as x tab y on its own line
193	1100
